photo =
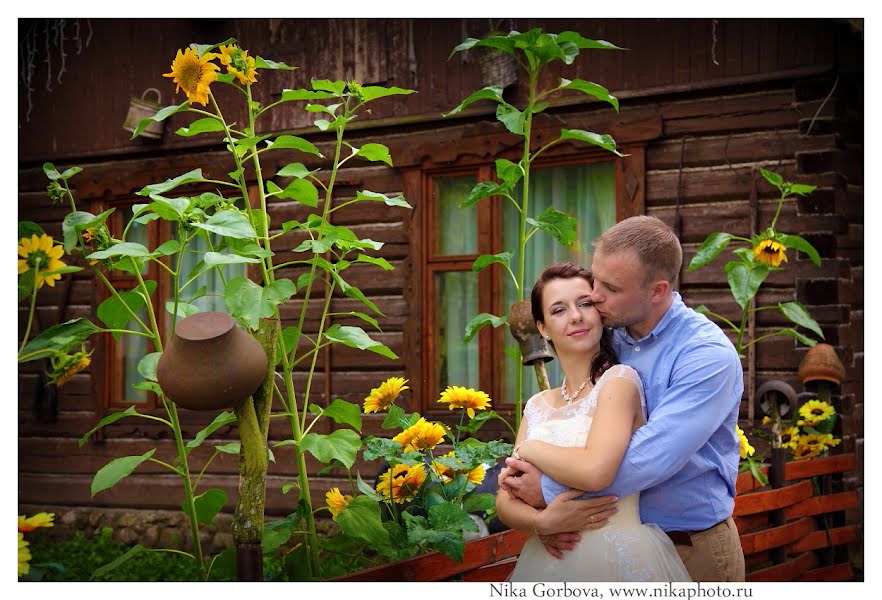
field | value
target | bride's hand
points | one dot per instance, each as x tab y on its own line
565	513
558	543
526	486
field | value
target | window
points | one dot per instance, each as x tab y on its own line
121	357
455	237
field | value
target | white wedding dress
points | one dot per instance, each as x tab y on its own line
622	550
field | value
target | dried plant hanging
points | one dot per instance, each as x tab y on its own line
48	41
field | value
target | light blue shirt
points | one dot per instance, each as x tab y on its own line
684	460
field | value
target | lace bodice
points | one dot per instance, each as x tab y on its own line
568	425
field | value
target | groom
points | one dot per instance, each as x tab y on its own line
684	461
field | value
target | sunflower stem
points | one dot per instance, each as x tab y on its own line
778	211
27	333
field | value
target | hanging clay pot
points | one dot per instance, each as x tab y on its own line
210	364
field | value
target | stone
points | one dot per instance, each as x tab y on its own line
221	541
151	536
126	536
170	538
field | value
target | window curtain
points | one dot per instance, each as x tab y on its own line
585	192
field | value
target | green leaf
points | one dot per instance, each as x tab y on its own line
222	420
367	490
108	475
129	412
28	228
353	292
213	259
360	315
231	448
378	197
341	444
510	173
448	542
479	503
583	43
194	176
344	412
168	248
798	314
561	226
511	117
380	262
130	553
301	94
292	141
26	284
807	341
302	191
113	311
385	448
479	321
59	338
161	115
184	309
77	222
360	519
801	189
709	249
207	505
449	517
591	89
604	141
150	386
228	223
744	280
773	178
801	244
265	63
147	365
482	190
356	337
297	170
485	260
372	92
206	125
375	153
276	533
122	249
492	92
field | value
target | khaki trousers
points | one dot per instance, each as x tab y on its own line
715	554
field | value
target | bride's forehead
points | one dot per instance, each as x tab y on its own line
563	289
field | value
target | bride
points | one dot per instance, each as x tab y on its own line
577	434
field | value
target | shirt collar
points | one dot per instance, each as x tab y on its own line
672	314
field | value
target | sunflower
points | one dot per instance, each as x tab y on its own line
804	451
745	448
336	501
193	74
459	397
401	483
24	556
26	525
383	396
37	252
820	441
766	420
239	64
446	473
770	252
814	412
422	435
790	438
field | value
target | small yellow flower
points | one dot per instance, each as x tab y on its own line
814	412
193	74
446	473
26	525
805	451
745	448
24	556
422	435
37	252
401	483
382	397
336	501
770	252
790	437
73	370
460	397
239	64
822	442
766	420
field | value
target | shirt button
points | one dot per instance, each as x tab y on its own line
636	348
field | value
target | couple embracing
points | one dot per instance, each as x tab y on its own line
627	471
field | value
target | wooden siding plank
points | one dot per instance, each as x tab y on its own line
820	539
840	572
764	501
786	571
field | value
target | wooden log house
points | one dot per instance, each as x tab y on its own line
704	104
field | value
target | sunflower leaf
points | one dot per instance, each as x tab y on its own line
360	519
479	321
709	249
511	117
485	260
744	280
294	142
341	444
297	170
591	89
483	190
561	226
194	176
129	412
117	469
205	125
228	223
372	92
378	197
300	94
104	570
801	244
797	314
302	191
343	412
375	153
492	92
115	312
207	505
510	173
161	115
77	222
367	490
265	63
58	338
604	141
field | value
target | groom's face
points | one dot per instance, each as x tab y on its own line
619	294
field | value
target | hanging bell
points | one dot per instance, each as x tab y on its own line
140	109
534	348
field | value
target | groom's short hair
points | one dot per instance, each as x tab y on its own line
655	244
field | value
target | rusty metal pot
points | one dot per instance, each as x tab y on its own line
211	364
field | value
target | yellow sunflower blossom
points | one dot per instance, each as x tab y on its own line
422	435
24	556
814	412
336	501
239	64
26	525
193	74
401	483
460	397
766	420
72	370
821	441
38	252
382	397
446	473
770	252
805	451
790	437
745	448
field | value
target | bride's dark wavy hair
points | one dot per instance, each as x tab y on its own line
606	356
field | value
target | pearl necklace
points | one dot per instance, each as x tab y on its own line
563	390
